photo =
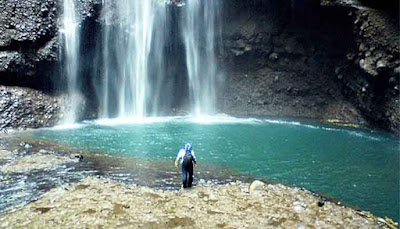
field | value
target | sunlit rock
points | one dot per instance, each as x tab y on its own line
299	206
256	186
5	154
101	202
34	162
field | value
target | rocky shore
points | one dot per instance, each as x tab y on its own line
100	202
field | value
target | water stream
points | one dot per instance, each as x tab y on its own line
130	76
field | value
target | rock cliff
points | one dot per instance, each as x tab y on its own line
328	60
29	59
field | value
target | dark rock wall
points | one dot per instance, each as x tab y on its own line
22	108
30	48
371	76
307	59
282	63
28	39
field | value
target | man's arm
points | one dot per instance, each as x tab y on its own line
194	158
178	157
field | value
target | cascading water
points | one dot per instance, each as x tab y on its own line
200	33
70	32
130	72
132	52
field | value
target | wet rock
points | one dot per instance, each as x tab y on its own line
273	56
78	157
320	203
381	64
29	163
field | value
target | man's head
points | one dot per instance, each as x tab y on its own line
188	147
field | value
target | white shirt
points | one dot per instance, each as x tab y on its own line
182	153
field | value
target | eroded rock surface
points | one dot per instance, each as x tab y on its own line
27	108
28	35
30	40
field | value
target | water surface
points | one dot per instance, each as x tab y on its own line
358	167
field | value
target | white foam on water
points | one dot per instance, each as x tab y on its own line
145	120
356	133
273	121
222	119
207	120
352	132
68	126
215	119
362	135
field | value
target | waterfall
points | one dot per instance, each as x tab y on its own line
200	33
132	53
129	72
70	35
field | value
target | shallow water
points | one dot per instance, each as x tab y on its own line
358	167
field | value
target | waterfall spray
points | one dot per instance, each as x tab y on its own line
133	80
128	43
70	32
200	33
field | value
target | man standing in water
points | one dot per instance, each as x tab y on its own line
186	158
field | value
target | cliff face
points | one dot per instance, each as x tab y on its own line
30	41
29	62
22	108
329	59
282	63
305	58
371	75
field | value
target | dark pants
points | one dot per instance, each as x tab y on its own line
187	176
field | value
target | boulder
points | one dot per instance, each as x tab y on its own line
256	186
